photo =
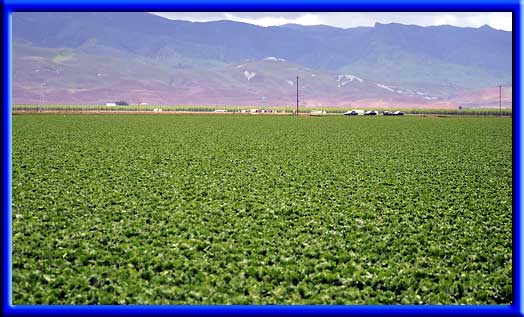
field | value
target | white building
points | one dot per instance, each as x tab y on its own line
318	112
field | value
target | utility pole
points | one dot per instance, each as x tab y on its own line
42	85
500	100
297	95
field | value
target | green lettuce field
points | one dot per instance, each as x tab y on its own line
174	209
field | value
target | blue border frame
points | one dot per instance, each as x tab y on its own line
9	6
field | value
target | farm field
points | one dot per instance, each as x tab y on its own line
261	209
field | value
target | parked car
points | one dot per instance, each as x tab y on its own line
351	113
396	113
371	113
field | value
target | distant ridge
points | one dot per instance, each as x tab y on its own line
90	57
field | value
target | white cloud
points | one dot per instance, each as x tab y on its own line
444	19
306	19
497	20
500	21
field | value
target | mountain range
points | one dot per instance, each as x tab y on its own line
99	57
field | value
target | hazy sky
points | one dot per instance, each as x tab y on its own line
497	20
